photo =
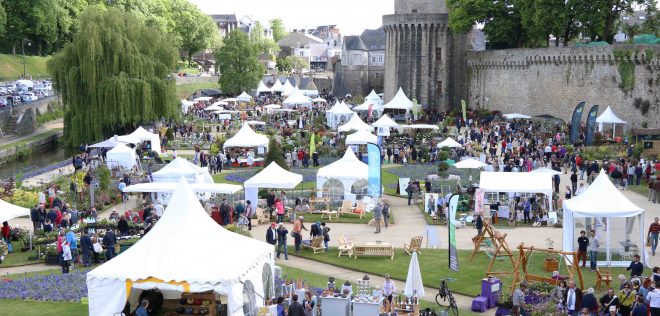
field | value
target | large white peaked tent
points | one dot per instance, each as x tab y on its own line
262	88
121	156
297	98
399	102
608	117
206	257
348	170
180	167
603	200
449	142
246	137
374	98
144	135
386	122
354	124
361	137
244	97
338	113
277	87
287	88
273	176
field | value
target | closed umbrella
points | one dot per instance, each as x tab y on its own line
414	284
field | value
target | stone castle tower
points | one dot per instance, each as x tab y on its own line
423	56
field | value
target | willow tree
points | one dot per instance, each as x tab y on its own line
114	75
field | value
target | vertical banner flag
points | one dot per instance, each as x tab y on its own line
415	108
373	155
371	108
591	125
575	122
464	108
312	145
479	201
453	253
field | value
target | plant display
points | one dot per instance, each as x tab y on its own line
24	198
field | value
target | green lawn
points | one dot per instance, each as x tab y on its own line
16	307
642	189
183	91
17	257
32	139
433	265
11	67
387	179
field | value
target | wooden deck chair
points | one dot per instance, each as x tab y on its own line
360	208
603	277
262	217
316	244
414	245
345	208
346	246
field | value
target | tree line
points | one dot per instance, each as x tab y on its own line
532	23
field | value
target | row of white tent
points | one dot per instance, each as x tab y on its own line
285	89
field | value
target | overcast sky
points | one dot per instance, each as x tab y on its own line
350	16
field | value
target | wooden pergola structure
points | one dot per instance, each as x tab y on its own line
526	252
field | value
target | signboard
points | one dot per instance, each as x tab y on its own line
383	131
261	150
453	253
479	201
373	156
403	184
503	211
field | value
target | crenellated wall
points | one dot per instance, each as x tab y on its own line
554	80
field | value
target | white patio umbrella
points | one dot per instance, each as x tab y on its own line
547	170
469	164
449	142
414	284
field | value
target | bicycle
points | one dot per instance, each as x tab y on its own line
446	299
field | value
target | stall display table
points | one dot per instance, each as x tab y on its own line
490	289
335	306
367	308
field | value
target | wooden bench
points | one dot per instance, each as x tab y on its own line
316	244
373	251
536	278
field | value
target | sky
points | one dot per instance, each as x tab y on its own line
350	16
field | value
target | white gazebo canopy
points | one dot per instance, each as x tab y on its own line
319	100
512	116
287	88
361	137
517	182
144	135
385	121
109	143
262	88
244	97
277	87
469	164
546	170
246	137
449	142
297	98
348	170
364	107
168	187
602	200
203	99
399	102
273	176
10	211
180	167
213	107
608	117
121	156
337	113
150	264
374	98
256	123
354	124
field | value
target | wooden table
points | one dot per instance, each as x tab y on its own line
313	200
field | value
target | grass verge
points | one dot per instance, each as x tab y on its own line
11	67
32	139
183	91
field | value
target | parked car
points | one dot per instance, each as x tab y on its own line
3	91
28	97
3	102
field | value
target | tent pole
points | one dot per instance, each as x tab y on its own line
608	254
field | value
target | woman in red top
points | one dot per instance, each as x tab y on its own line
6	231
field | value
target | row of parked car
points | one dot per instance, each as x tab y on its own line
24	91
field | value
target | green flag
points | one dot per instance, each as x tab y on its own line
415	108
312	145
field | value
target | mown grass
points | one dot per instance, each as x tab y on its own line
11	67
183	91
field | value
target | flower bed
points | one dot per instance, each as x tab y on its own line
54	287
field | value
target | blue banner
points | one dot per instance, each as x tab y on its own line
591	125
575	122
451	225
374	169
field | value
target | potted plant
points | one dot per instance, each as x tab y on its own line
504	304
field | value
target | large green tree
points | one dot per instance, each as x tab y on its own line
264	45
278	29
3	19
238	64
113	75
194	30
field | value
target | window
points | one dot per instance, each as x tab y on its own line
438	54
373	59
438	88
302	53
380	59
249	299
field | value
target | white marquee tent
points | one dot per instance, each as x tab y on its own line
399	102
10	211
246	137
361	137
213	107
602	200
374	98
608	117
180	167
340	112
277	87
348	170
354	124
244	97
108	143
197	266
146	136
273	176
517	182
287	88
262	88
419	126
449	142
385	121
297	98
168	187
121	156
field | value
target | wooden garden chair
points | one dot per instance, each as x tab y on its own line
316	244
345	208
603	277
346	246
360	208
262	217
414	245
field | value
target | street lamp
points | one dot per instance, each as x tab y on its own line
23	48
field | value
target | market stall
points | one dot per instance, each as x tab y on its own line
361	137
273	176
245	138
449	142
608	117
354	124
262	88
338	114
243	97
199	266
277	87
499	188
152	140
163	190
180	167
602	205
344	179
287	88
121	156
399	107
10	211
297	98
514	116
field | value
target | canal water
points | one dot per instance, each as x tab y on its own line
33	162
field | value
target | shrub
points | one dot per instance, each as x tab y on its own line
442	156
275	154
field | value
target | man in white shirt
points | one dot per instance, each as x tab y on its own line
654	299
389	288
573	299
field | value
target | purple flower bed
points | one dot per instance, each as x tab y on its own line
54	287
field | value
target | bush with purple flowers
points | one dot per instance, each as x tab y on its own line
53	287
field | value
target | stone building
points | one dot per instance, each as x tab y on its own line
361	68
422	56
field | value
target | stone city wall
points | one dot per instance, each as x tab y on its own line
554	80
189	80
